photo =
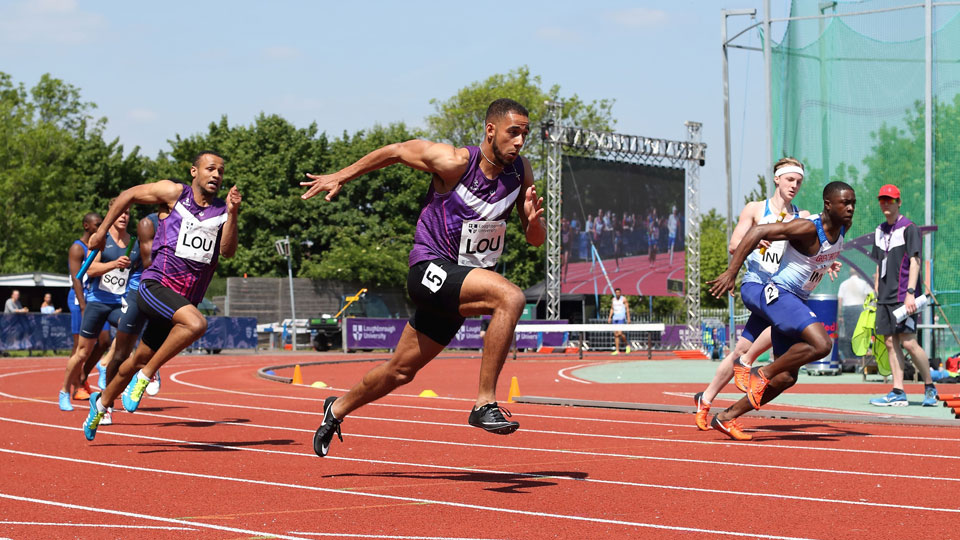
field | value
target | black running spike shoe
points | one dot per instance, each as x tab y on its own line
490	417
330	425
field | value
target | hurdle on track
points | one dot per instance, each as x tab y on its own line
649	330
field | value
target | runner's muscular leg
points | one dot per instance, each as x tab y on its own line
414	350
484	292
725	370
85	348
103	344
777	385
125	372
816	344
121	350
189	325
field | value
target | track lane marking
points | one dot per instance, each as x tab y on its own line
342	492
147	516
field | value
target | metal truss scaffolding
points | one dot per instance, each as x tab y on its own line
690	154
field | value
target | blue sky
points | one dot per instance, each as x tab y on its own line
157	69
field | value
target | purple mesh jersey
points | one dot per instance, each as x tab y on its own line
186	247
468	223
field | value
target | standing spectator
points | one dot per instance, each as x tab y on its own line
47	306
851	296
896	249
13	304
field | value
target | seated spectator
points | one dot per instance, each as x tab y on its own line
47	306
13	304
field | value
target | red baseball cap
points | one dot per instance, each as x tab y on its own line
889	190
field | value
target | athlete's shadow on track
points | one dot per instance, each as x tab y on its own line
515	482
198	423
206	446
794	432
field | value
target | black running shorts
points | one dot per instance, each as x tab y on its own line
434	287
159	303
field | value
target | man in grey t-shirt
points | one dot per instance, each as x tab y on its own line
13	304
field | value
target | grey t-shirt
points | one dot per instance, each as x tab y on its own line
12	306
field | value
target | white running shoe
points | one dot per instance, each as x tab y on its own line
153	387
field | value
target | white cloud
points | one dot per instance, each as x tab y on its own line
49	21
638	17
555	33
141	115
281	53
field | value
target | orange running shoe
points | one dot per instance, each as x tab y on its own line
703	410
741	375
81	393
755	387
731	429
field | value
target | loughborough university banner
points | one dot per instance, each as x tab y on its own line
385	334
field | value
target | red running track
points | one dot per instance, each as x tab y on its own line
221	453
635	276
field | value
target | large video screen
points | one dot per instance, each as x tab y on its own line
624	219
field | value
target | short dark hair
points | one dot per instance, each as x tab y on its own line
90	217
196	158
835	187
503	106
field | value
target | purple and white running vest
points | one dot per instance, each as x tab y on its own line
186	247
468	223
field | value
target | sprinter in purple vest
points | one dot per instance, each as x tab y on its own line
195	228
458	239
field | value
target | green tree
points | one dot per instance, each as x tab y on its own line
758	193
364	234
713	255
55	166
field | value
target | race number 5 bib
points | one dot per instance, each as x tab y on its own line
115	281
197	238
481	243
433	277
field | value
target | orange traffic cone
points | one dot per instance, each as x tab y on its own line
297	376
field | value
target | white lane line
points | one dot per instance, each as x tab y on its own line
562	373
126	513
510	475
865	414
535	449
351	535
552	432
97	525
689	426
570	434
352	492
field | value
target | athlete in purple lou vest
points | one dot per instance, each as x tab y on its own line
459	236
186	247
468	223
195	228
